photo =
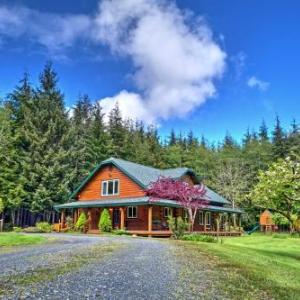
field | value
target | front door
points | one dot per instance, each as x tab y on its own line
116	218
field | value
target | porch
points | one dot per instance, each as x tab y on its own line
140	216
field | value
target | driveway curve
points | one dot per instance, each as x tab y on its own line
95	267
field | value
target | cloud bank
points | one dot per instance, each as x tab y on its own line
175	58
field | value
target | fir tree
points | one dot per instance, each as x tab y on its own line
279	141
172	139
247	137
263	132
46	132
293	139
12	192
116	131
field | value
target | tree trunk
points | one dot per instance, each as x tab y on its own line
13	217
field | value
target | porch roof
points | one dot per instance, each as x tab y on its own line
137	201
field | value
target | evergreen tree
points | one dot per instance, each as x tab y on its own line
247	137
20	99
293	139
263	132
81	155
12	192
228	141
99	143
46	132
116	131
105	224
172	139
203	141
279	141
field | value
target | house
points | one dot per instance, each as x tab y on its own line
120	186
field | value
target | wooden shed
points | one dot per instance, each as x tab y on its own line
266	222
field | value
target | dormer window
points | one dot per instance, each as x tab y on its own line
110	187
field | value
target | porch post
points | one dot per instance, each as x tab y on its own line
205	220
218	217
240	222
122	223
75	216
89	219
62	219
150	219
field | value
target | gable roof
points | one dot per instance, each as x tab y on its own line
140	174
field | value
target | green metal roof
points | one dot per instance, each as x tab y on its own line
214	197
137	201
142	175
105	203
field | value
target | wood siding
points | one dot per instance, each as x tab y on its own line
188	179
92	190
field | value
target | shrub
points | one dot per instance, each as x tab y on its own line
178	226
17	229
70	223
81	222
43	227
121	232
32	230
105	224
7	227
195	237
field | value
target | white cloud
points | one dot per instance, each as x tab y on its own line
254	82
54	32
174	55
176	59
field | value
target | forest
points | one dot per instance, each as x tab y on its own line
46	149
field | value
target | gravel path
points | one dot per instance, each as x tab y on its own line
85	267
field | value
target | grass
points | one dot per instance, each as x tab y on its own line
257	266
9	239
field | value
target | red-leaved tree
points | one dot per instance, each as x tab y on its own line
190	197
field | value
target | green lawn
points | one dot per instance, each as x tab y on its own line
258	263
17	239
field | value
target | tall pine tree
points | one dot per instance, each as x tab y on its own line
46	132
279	141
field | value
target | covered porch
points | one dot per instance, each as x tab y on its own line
140	216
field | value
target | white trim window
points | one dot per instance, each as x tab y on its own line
167	212
201	218
208	218
132	212
110	187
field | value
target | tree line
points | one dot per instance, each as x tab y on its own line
47	149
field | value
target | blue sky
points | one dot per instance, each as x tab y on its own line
250	58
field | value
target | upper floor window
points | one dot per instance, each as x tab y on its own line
110	187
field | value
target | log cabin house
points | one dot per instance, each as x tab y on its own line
120	185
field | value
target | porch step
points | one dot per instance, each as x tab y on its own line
94	231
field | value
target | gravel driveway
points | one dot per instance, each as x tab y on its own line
93	267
